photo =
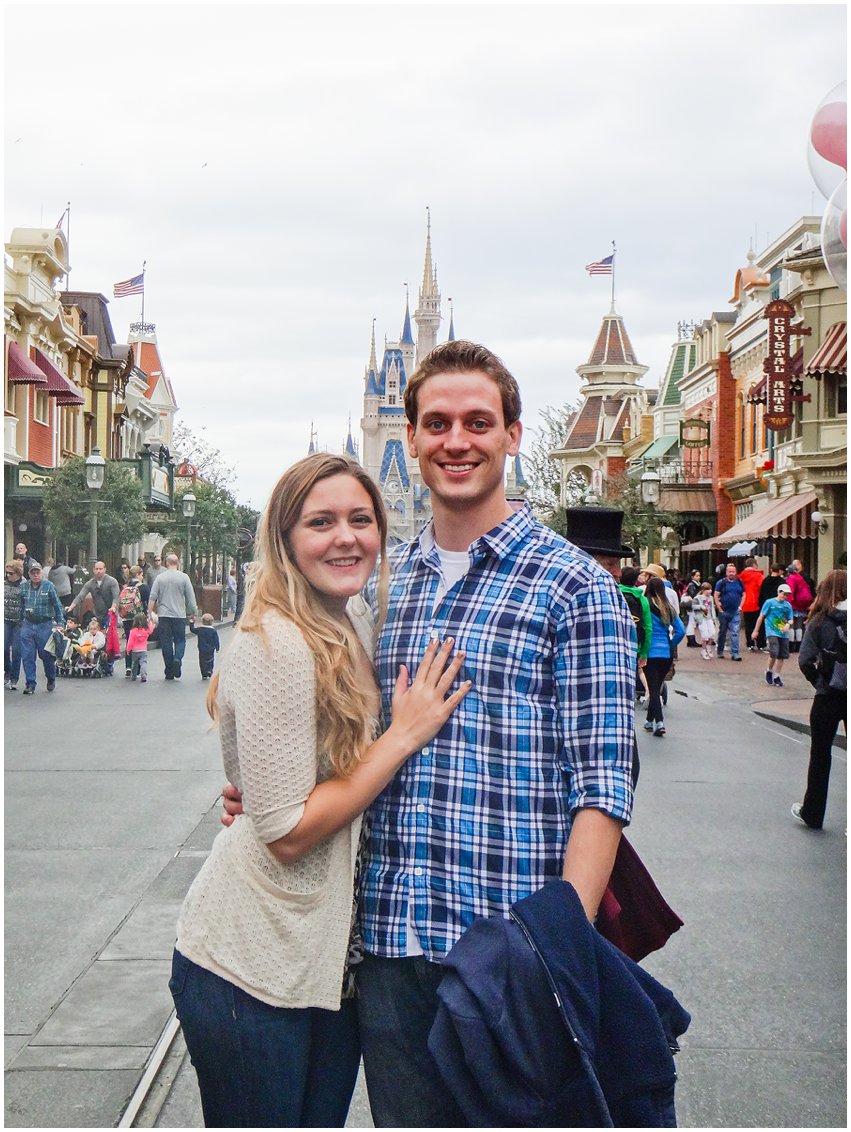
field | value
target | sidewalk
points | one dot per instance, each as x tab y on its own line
721	679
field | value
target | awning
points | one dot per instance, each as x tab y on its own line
788	517
58	385
832	355
660	447
20	369
681	499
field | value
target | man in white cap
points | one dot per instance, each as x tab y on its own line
41	608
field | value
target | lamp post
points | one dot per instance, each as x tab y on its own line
188	512
650	491
95	470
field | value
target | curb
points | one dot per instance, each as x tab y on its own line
799	725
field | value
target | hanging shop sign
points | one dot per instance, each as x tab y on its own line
781	389
694	433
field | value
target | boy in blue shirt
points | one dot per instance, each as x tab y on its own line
777	614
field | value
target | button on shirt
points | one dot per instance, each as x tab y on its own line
480	817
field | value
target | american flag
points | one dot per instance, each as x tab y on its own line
601	266
134	286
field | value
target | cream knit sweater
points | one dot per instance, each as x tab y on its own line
280	932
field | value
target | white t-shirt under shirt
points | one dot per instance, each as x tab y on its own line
454	564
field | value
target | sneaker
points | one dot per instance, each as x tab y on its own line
13	687
127	674
769	677
659	729
29	691
7	683
648	725
778	683
51	684
144	679
736	659
797	813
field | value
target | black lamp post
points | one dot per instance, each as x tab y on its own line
95	471
188	512
650	494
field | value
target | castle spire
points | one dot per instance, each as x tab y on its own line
429	285
407	338
350	449
427	314
373	362
312	449
451	337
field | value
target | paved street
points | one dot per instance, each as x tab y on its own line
111	793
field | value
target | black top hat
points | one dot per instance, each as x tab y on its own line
597	530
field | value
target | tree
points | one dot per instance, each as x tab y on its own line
211	464
214	524
120	509
642	526
542	472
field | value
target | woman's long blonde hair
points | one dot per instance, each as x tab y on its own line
275	582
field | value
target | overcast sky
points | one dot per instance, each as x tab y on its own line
273	165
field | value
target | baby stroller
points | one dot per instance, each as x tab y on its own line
63	650
89	655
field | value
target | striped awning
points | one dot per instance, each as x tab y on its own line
58	385
788	517
20	369
832	355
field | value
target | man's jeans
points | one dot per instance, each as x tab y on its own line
730	621
33	640
262	1066
12	650
173	643
397	1004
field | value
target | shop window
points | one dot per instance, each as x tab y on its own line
742	427
11	398
754	427
41	407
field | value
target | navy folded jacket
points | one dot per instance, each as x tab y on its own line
543	1022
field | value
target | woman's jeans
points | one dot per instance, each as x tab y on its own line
11	651
654	672
263	1066
828	711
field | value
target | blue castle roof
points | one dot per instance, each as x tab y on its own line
391	356
393	449
407	334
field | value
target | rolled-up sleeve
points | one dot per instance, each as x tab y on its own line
595	675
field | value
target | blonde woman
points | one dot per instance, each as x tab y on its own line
262	938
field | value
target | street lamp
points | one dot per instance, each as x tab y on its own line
650	492
188	512
95	470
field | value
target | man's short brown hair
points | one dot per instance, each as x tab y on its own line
464	357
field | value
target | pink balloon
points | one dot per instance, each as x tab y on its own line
828	133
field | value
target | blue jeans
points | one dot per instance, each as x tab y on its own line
397	1004
263	1066
33	640
172	643
730	621
11	650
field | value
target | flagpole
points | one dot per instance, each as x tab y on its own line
614	250
144	265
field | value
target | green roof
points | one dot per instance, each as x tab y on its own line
675	372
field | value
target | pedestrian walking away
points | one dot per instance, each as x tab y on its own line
13	617
751	578
41	609
173	600
132	600
824	661
667	631
801	597
775	621
729	596
531	776
137	645
208	645
264	932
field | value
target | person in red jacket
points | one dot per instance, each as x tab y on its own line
752	578
801	599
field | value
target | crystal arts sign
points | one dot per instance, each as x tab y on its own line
778	365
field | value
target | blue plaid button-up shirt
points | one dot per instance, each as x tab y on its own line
481	816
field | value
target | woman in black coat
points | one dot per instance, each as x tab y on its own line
823	660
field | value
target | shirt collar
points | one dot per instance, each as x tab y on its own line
501	541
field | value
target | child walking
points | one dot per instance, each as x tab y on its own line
777	613
706	621
137	646
208	644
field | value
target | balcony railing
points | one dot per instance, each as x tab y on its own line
677	471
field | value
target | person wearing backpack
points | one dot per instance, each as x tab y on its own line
132	600
823	659
801	599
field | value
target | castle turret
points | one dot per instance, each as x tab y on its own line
427	314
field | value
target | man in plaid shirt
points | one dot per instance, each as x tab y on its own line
40	609
531	776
